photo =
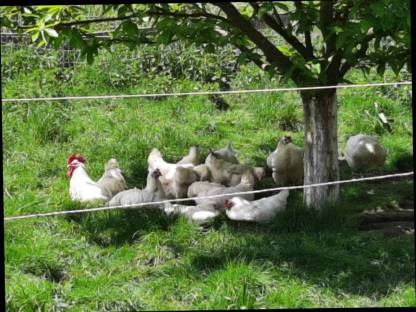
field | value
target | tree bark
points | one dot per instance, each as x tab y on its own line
321	147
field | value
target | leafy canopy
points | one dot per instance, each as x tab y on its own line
319	41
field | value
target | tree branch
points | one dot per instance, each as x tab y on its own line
160	12
273	54
357	55
326	19
292	40
307	33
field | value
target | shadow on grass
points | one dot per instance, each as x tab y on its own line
323	249
119	227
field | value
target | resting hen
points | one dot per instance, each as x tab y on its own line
286	163
191	158
261	210
151	193
81	187
228	154
201	189
173	183
364	151
199	214
225	172
112	181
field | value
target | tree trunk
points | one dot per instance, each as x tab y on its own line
321	147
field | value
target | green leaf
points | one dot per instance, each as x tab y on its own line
130	29
381	69
35	35
76	40
286	50
365	25
282	6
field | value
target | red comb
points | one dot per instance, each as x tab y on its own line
79	157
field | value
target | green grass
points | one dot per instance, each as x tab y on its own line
143	260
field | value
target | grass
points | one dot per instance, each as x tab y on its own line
143	260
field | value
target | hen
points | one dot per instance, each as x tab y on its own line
174	183
286	163
112	181
261	210
191	158
199	214
225	172
200	189
228	154
151	193
364	151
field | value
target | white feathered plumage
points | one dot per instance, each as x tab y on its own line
364	151
261	210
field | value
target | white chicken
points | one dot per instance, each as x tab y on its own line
151	193
261	210
81	187
191	158
286	163
174	184
112	181
364	151
199	214
201	189
225	172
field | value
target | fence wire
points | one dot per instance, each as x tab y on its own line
150	204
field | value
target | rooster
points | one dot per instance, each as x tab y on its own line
261	210
81	187
112	181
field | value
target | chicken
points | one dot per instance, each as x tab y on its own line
200	189
199	214
174	184
81	187
261	210
112	181
151	193
259	173
182	179
203	172
286	163
225	172
364	151
228	154
191	158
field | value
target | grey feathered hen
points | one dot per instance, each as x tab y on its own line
191	158
151	193
112	181
228	154
200	189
